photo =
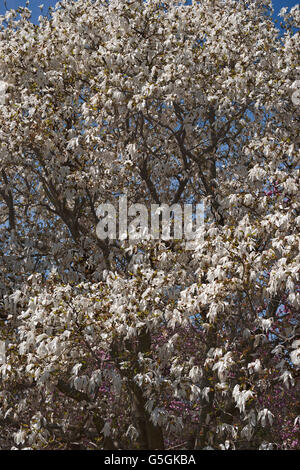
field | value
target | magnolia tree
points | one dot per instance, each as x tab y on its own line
141	343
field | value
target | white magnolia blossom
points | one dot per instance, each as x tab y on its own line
295	354
264	416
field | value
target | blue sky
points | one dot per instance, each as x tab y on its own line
34	5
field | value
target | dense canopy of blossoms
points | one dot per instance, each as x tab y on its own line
147	345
